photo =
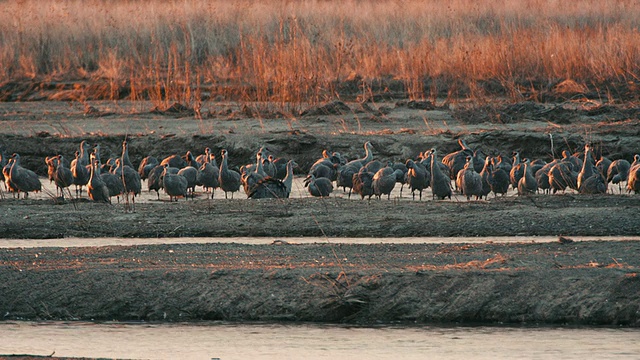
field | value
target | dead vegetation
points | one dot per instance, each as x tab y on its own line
290	53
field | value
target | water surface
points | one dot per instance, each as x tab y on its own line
310	341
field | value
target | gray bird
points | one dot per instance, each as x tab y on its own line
374	165
633	182
469	181
80	172
368	156
485	175
585	184
52	165
125	155
208	175
542	177
8	186
504	163
229	179
326	166
363	183
154	179
191	174
175	161
191	160
113	182
440	182
527	184
146	165
618	172
384	180
174	185
562	176
575	162
318	187
272	188
63	177
21	179
401	177
203	158
269	167
4	160
499	180
96	188
457	160
130	179
252	174
417	177
345	177
517	170
603	166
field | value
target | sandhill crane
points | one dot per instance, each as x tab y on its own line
208	176
96	188
418	177
229	179
368	156
517	170
130	179
585	184
457	160
191	174
485	176
154	179
618	172
125	155
175	161
63	177
384	180
146	165
363	183
527	184
469	181
499	181
174	185
21	179
79	171
344	177
440	182
252	174
633	182
272	188
319	187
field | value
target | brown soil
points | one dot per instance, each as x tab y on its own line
573	283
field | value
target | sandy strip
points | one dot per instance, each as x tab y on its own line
80	242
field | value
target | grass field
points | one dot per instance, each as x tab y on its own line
314	51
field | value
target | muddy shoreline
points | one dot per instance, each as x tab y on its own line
581	283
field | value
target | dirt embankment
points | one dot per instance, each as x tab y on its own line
591	283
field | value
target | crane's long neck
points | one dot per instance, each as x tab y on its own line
259	167
288	180
368	154
435	168
587	163
223	165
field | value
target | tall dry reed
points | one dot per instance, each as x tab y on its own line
306	51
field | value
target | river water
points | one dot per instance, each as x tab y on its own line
311	341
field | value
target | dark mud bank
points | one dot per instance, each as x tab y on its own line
578	284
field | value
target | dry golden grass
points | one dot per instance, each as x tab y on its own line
293	52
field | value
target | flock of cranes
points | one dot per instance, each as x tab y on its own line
465	171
